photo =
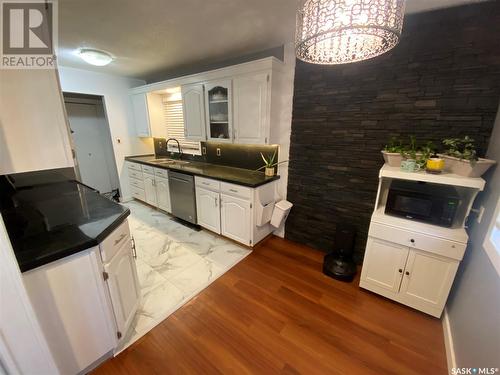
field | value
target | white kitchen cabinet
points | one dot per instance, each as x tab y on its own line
427	280
141	114
70	302
163	193
123	284
207	209
251	108
193	106
150	189
411	276
236	219
219	110
384	264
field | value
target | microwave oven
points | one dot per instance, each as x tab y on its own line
426	202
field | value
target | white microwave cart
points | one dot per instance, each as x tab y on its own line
411	262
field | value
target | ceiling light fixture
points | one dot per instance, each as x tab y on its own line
95	57
345	31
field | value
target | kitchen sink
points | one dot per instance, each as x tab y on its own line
167	161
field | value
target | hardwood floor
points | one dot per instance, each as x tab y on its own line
275	312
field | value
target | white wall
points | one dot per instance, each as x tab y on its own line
33	128
114	89
285	120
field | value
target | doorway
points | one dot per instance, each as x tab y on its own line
92	141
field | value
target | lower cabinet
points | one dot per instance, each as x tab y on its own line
236	218
410	276
124	290
163	194
150	189
207	209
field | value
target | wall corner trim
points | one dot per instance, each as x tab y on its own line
448	341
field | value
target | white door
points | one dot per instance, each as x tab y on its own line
124	287
236	219
219	110
150	189
163	193
384	264
427	280
141	115
208	209
193	106
92	146
251	115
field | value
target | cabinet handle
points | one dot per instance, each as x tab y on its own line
233	190
134	251
215	199
407	273
117	241
400	270
412	240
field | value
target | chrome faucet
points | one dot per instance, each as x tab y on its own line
178	146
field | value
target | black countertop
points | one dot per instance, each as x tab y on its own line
233	175
51	221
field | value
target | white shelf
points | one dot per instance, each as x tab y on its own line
218	101
453	234
443	178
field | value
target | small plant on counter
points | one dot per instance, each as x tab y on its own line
410	151
461	157
270	163
426	152
392	152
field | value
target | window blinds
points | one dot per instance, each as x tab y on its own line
172	112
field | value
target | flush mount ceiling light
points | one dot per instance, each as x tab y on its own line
345	31
95	57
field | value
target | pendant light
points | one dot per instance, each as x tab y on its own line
345	31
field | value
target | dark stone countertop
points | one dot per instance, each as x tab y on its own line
233	175
51	221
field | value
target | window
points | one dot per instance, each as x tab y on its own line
492	241
172	111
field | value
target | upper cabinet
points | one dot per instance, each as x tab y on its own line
235	104
141	115
193	106
219	112
251	111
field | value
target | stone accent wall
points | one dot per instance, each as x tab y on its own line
442	80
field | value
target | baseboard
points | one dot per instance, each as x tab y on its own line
448	341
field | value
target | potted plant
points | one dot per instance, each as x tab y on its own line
270	164
461	158
392	152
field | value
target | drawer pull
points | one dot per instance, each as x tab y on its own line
412	240
407	273
117	241
400	270
233	190
205	183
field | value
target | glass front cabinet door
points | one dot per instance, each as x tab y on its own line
218	100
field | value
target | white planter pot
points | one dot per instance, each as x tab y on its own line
393	159
465	168
269	172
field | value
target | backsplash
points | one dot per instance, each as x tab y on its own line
231	155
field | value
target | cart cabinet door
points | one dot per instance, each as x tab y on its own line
384	264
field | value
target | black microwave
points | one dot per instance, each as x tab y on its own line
430	203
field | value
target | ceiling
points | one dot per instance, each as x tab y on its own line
152	37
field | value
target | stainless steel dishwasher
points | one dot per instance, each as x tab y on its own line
182	196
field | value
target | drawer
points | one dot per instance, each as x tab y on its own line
135	166
148	169
138	193
161	173
232	189
111	244
135	173
436	245
207	183
136	183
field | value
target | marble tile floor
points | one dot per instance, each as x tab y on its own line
174	263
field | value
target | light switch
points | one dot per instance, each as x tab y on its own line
218	151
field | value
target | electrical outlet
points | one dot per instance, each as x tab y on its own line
204	150
218	151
